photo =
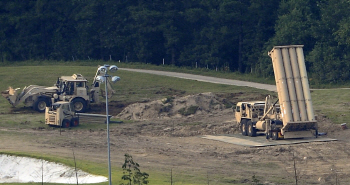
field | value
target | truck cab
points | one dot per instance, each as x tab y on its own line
249	110
74	89
256	116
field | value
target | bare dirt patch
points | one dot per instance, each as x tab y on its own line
165	135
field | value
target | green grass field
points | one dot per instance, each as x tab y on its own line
138	87
332	103
135	87
132	87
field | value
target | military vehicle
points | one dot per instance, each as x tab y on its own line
292	115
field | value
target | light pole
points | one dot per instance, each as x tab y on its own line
103	71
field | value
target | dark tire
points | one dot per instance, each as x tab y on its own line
79	105
268	134
41	104
65	123
274	135
244	127
316	133
251	130
74	122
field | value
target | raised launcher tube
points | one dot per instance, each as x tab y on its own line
293	91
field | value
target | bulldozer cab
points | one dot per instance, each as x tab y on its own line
72	85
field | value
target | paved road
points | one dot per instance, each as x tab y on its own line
205	79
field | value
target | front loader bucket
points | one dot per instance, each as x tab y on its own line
11	95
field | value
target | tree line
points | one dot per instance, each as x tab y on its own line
228	35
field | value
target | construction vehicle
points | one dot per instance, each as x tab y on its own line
292	115
61	114
67	88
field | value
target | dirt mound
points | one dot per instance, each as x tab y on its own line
173	107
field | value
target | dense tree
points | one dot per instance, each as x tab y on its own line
230	35
21	32
195	18
145	31
294	24
5	31
329	57
173	28
262	18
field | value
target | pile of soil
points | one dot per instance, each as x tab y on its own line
174	107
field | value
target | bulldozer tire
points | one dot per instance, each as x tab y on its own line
41	104
79	105
65	123
74	122
251	130
244	127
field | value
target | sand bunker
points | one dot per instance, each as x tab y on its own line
24	169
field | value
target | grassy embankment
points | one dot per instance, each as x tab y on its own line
138	87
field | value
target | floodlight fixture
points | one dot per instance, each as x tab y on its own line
102	69
115	79
100	79
113	68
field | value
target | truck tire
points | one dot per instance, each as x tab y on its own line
274	136
74	122
41	104
65	123
316	133
79	105
244	127
268	135
251	130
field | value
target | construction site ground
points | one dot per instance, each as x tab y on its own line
261	141
164	136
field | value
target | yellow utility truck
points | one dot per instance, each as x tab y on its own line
292	115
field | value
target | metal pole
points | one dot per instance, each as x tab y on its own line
109	152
